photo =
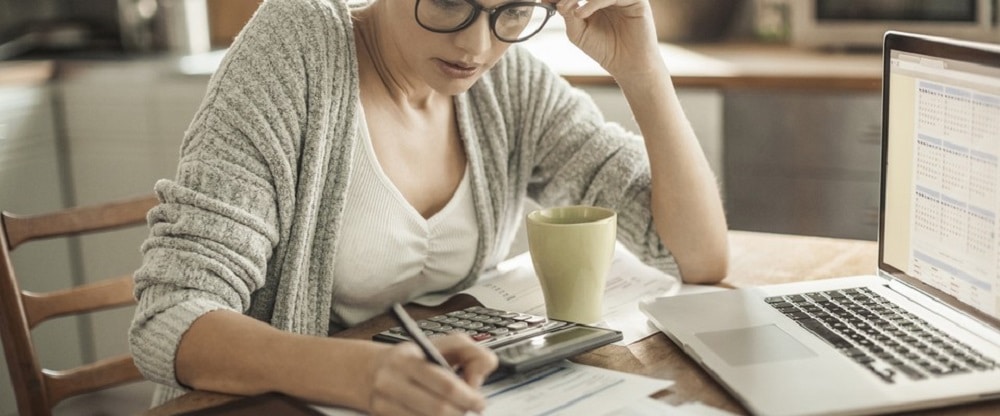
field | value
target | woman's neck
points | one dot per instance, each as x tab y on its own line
382	69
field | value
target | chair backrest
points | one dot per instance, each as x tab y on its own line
37	389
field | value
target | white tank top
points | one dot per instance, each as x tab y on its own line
388	252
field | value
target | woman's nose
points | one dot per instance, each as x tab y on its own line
477	37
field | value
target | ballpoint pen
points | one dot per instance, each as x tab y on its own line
417	335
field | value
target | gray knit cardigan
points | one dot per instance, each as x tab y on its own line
250	223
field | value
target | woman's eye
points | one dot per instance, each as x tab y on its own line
516	13
450	4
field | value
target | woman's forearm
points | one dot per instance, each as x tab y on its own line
686	205
228	352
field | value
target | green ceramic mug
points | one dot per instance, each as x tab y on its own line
571	248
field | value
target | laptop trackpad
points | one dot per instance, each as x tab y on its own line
757	344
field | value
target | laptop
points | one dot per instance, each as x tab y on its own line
924	331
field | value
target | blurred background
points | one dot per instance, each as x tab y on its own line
95	96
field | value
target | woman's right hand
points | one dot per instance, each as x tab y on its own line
404	382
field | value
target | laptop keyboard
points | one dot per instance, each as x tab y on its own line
879	335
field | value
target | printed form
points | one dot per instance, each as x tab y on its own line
954	223
568	389
565	388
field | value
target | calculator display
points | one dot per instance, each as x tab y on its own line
560	338
553	346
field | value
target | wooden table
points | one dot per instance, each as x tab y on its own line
756	258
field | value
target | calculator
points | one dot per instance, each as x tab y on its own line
521	341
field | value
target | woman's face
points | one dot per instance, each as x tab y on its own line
449	63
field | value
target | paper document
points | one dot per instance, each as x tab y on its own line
648	406
566	388
514	287
563	388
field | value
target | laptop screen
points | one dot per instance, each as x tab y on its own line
939	228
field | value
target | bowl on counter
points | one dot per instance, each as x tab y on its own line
685	21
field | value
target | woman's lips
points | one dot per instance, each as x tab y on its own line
457	69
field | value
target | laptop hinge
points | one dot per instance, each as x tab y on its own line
963	320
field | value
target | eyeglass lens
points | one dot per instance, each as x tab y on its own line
511	22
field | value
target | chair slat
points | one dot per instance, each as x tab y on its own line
37	390
93	297
91	377
78	220
22	363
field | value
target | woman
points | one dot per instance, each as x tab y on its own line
347	158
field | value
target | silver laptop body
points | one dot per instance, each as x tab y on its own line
923	332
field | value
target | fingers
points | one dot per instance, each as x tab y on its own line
587	9
566	8
475	361
406	383
583	9
433	390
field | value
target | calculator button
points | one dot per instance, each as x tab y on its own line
535	320
514	326
482	336
509	315
479	318
474	325
428	324
500	331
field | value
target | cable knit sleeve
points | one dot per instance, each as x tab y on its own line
221	219
579	158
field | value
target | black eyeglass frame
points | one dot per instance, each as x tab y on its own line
492	12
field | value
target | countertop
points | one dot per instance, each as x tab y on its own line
728	65
26	72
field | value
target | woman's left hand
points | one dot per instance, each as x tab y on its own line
618	34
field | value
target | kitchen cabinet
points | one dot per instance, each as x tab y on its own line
124	124
702	106
788	161
803	162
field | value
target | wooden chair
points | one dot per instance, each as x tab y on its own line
36	389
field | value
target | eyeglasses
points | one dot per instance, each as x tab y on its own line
510	22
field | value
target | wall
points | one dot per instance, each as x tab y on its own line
803	162
31	179
104	130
